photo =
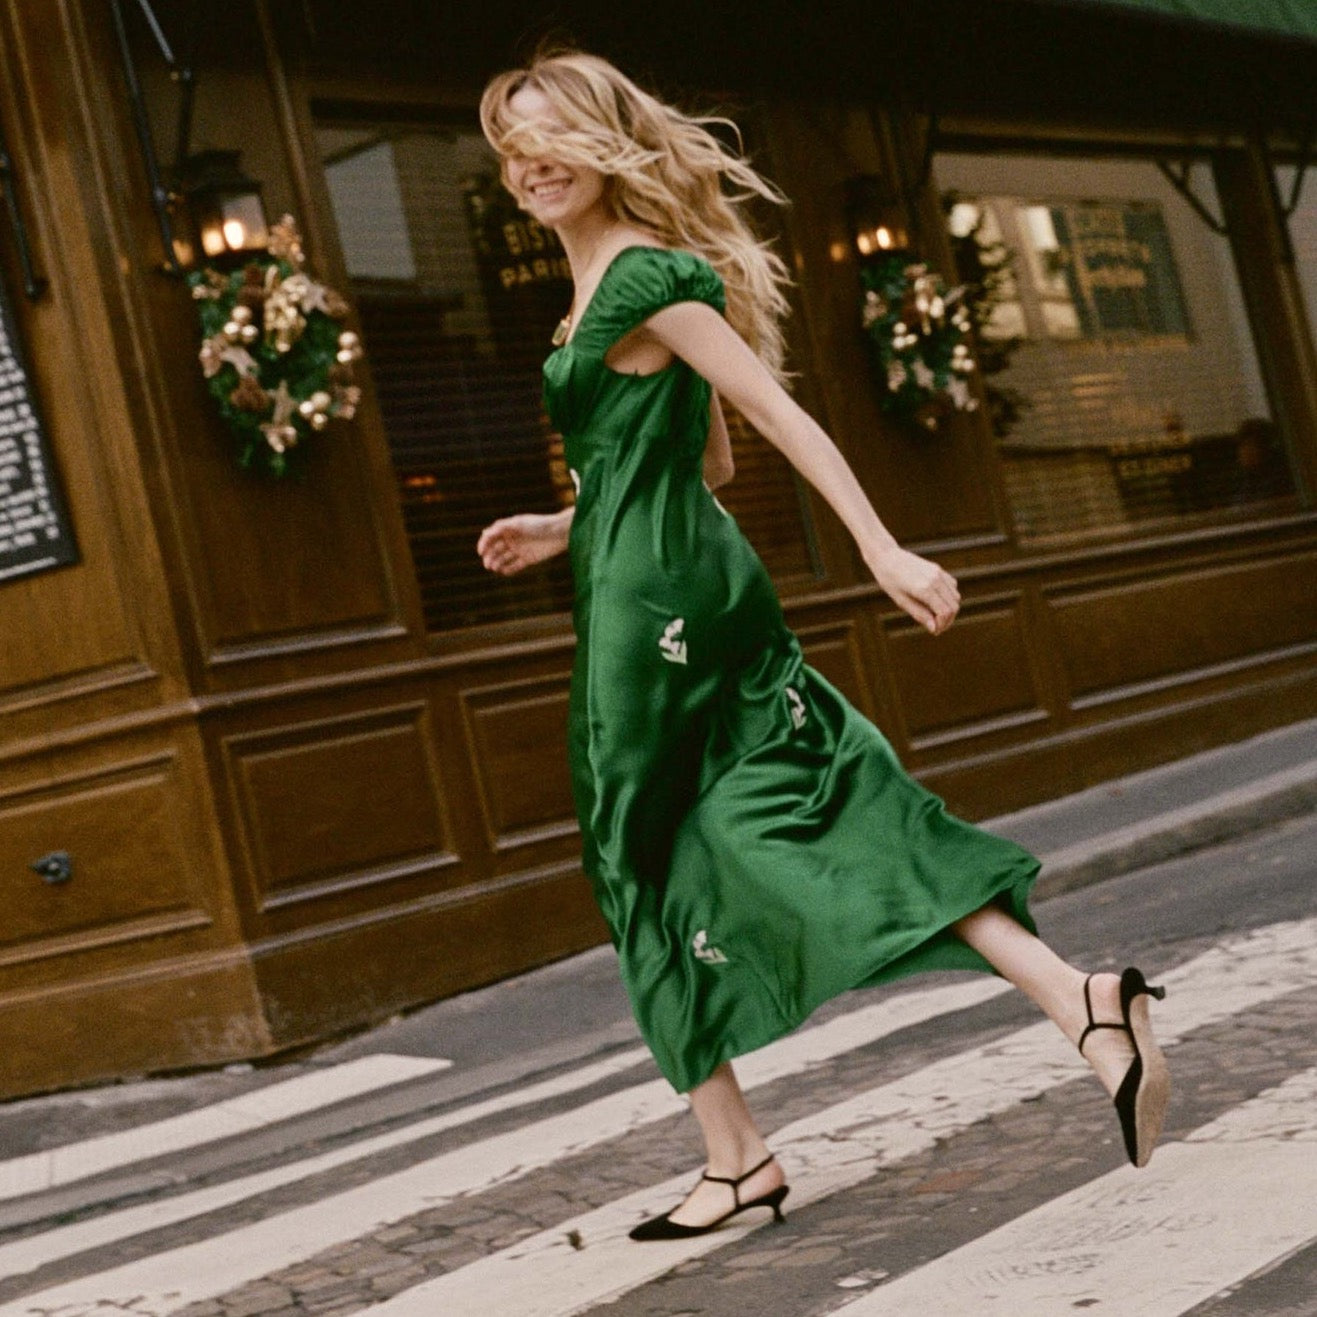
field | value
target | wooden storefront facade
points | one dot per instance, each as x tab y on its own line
292	800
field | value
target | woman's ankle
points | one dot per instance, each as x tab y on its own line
733	1160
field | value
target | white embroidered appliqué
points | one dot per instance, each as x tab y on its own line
671	644
703	951
576	480
797	708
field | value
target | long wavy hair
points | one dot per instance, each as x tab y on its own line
664	171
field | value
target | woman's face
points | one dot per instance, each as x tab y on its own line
553	193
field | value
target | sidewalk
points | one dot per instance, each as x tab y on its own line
1131	822
541	1023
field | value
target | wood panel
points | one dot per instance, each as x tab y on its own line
92	639
1129	636
134	962
273	579
980	676
365	969
940	490
517	733
132	875
189	1010
998	779
833	648
342	811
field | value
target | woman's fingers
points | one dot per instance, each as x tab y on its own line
935	603
499	549
918	606
943	599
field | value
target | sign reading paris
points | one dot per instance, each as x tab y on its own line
35	534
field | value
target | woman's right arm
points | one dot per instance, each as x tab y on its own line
512	544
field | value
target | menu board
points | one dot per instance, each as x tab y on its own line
35	534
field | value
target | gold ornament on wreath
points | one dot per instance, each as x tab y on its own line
918	332
274	353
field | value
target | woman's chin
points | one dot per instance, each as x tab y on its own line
550	216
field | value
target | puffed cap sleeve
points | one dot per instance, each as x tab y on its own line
643	280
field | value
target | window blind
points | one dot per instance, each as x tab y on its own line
458	293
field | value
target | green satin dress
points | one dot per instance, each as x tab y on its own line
753	842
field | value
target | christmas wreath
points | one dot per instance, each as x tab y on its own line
918	332
275	356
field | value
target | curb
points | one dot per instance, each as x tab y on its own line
1226	816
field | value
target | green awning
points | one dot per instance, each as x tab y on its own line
1285	18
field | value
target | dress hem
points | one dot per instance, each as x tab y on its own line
1017	886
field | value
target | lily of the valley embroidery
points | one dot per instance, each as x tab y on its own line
672	646
703	951
797	708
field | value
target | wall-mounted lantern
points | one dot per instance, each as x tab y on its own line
876	215
227	218
225	205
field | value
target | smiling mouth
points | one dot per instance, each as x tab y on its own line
545	191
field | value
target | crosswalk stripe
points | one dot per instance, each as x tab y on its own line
472	1170
588	1260
36	1171
26	1255
1236	1194
830	1151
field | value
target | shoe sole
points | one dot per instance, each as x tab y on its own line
1154	1085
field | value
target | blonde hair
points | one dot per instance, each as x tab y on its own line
664	172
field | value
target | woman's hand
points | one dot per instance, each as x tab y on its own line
511	544
921	587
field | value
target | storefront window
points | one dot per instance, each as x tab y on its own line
1303	231
1121	375
459	293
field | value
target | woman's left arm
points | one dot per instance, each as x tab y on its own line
698	334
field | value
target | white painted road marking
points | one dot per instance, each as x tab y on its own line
221	1120
516	1154
546	1276
1237	1194
35	1251
830	1151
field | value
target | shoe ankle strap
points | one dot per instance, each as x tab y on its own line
739	1180
1096	1024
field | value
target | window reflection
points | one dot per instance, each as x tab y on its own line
459	292
1117	334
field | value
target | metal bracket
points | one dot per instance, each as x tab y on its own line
1284	209
183	73
1301	167
1179	179
33	284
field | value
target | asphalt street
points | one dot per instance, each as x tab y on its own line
945	1154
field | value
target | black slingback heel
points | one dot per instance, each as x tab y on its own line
1141	1099
663	1227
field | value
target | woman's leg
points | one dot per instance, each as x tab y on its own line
734	1145
733	1141
1055	985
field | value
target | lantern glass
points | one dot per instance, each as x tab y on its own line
876	217
226	208
234	223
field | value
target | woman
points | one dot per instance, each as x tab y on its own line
752	840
